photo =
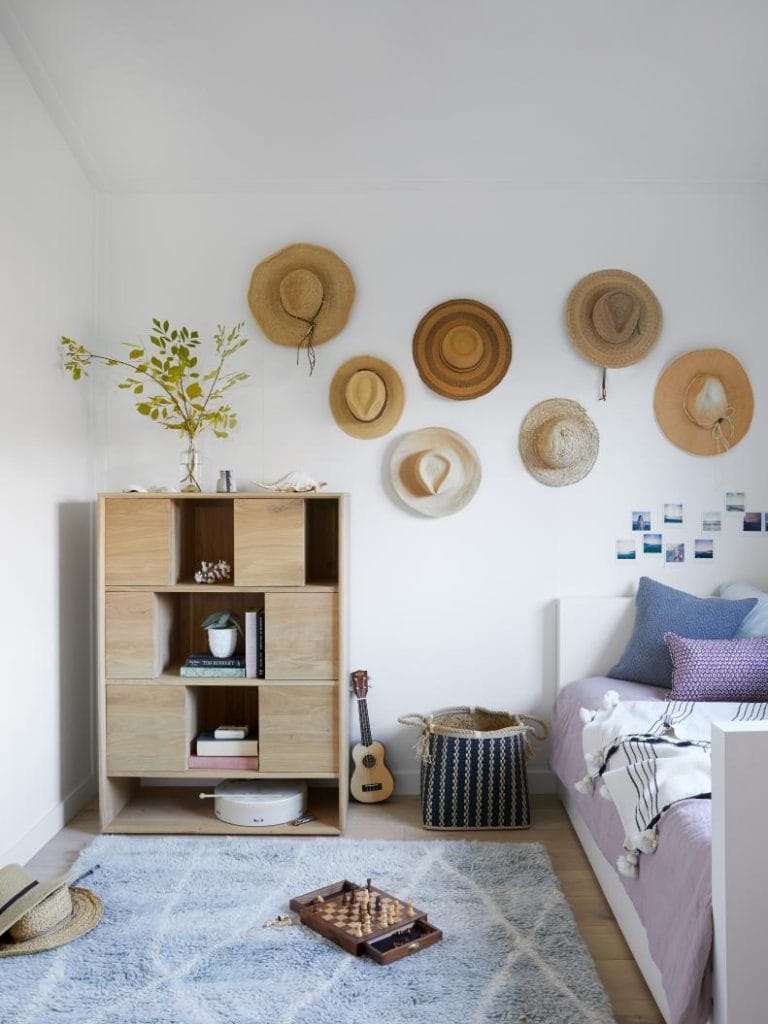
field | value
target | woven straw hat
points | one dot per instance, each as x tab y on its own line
366	397
462	349
703	401
434	471
558	442
35	916
613	318
301	293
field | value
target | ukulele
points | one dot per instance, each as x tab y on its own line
371	780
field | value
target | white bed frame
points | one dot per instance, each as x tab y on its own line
592	632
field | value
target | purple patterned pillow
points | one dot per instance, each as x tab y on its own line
726	670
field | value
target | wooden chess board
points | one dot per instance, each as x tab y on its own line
363	919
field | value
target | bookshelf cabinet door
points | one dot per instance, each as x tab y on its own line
269	542
132	647
137	542
146	728
298	729
301	636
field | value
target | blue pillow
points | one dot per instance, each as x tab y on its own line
756	623
660	610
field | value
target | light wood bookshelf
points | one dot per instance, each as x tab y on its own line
287	554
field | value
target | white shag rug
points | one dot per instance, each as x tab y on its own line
182	942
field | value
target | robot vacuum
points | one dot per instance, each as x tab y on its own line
258	804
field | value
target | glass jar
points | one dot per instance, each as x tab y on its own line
190	467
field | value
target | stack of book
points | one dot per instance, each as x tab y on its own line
205	665
227	747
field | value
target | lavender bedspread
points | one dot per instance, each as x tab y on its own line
672	893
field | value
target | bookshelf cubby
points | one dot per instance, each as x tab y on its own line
287	557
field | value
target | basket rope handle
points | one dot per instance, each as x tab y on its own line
538	721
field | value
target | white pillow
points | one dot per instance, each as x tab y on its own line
756	623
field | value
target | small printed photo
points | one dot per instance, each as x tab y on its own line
673	514
625	549
753	522
651	543
734	501
711	521
704	548
641	520
675	552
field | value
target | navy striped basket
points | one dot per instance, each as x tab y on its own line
473	767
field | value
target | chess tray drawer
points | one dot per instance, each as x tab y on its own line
402	942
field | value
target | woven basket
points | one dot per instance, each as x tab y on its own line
473	767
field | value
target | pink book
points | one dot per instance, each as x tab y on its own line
244	763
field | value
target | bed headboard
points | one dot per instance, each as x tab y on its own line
591	634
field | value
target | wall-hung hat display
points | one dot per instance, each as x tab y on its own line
462	349
38	915
366	397
613	318
703	401
434	471
558	442
301	296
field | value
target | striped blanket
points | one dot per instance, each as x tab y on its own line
646	756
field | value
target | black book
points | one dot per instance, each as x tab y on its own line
208	661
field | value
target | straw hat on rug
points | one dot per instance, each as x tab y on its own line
366	397
36	916
613	318
558	442
434	471
703	401
301	296
462	349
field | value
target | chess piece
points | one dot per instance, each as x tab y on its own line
410	911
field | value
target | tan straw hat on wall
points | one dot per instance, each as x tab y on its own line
434	471
462	349
301	295
35	916
366	397
703	401
613	318
558	442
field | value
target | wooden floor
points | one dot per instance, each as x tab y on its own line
399	818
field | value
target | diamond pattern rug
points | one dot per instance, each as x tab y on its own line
182	939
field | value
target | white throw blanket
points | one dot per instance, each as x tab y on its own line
650	755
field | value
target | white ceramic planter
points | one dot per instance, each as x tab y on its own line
222	642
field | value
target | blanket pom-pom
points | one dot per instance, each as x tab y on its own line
605	794
610	700
648	841
627	864
586	715
585	785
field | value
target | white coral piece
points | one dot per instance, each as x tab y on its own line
213	572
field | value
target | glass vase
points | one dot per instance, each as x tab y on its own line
190	468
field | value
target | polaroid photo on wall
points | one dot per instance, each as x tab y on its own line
673	515
735	501
753	522
625	550
703	547
641	521
711	521
674	553
651	543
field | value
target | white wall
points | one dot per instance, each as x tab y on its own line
459	609
46	283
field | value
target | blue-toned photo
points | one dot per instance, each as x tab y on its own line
652	544
641	520
704	548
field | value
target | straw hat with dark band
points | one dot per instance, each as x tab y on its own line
703	401
613	318
462	349
301	295
434	471
366	397
558	442
36	916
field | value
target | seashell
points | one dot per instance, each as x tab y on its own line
292	482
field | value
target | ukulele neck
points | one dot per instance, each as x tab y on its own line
365	726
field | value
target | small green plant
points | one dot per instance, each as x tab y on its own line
221	620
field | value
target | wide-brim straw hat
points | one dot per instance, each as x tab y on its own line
703	401
613	318
434	471
462	349
299	290
366	397
36	916
558	442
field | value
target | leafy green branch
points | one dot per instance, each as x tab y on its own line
165	376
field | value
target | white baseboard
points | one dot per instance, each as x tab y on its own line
23	849
540	780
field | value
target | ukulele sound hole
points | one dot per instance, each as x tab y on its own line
369	761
